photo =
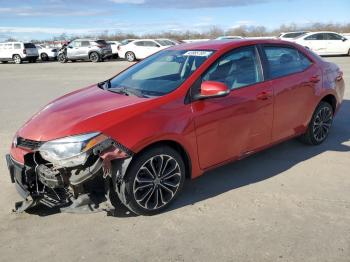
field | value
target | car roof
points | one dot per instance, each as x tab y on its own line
223	44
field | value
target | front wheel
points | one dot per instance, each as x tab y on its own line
44	57
320	125
154	180
62	58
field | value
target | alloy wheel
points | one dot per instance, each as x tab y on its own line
17	59
322	123
130	57
157	182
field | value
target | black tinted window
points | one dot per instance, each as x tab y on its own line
139	43
293	35
29	45
330	36
315	37
283	61
101	42
150	43
237	69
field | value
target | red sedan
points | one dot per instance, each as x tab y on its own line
136	137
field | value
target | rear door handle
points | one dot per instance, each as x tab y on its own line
315	79
263	96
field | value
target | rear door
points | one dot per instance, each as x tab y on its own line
233	126
151	47
293	78
83	51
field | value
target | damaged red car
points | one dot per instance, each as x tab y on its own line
138	136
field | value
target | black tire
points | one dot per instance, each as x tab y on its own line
62	58
320	125
130	56
152	197
349	52
34	60
17	59
94	57
4	62
44	57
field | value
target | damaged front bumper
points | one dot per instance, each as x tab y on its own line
82	189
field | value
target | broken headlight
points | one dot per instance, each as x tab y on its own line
72	150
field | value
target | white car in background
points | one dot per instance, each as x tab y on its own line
18	52
325	43
140	49
47	53
290	35
114	45
228	37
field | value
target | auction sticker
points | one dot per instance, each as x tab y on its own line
198	53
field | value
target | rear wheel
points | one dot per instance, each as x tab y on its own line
17	59
320	125
349	52
94	57
153	180
44	57
130	56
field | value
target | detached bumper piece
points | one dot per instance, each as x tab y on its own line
82	189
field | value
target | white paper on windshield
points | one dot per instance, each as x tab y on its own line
198	53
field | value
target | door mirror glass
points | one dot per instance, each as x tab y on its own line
211	89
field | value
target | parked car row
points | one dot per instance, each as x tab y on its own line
97	50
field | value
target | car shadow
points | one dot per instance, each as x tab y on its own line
251	170
265	164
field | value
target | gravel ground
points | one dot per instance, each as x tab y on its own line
288	203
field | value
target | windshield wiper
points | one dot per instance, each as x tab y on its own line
127	91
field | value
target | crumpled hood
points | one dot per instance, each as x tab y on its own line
79	112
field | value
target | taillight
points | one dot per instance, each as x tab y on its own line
24	51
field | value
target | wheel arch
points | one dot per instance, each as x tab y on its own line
176	146
330	99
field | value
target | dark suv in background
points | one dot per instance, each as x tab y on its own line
85	49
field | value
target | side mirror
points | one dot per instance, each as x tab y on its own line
212	89
344	39
70	46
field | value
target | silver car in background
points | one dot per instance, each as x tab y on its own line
85	49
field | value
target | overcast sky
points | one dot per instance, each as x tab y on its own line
42	19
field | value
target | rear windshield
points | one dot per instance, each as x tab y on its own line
29	45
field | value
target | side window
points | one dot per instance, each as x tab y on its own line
315	37
76	44
85	43
17	46
330	36
150	44
8	46
284	61
139	43
237	69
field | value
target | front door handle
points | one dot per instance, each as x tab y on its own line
263	95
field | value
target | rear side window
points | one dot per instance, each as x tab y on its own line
17	46
150	44
85	43
101	42
29	45
284	61
139	43
237	69
315	37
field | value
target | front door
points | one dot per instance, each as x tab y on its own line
231	127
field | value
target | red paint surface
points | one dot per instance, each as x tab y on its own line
212	131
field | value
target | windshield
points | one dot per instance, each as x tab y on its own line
159	74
